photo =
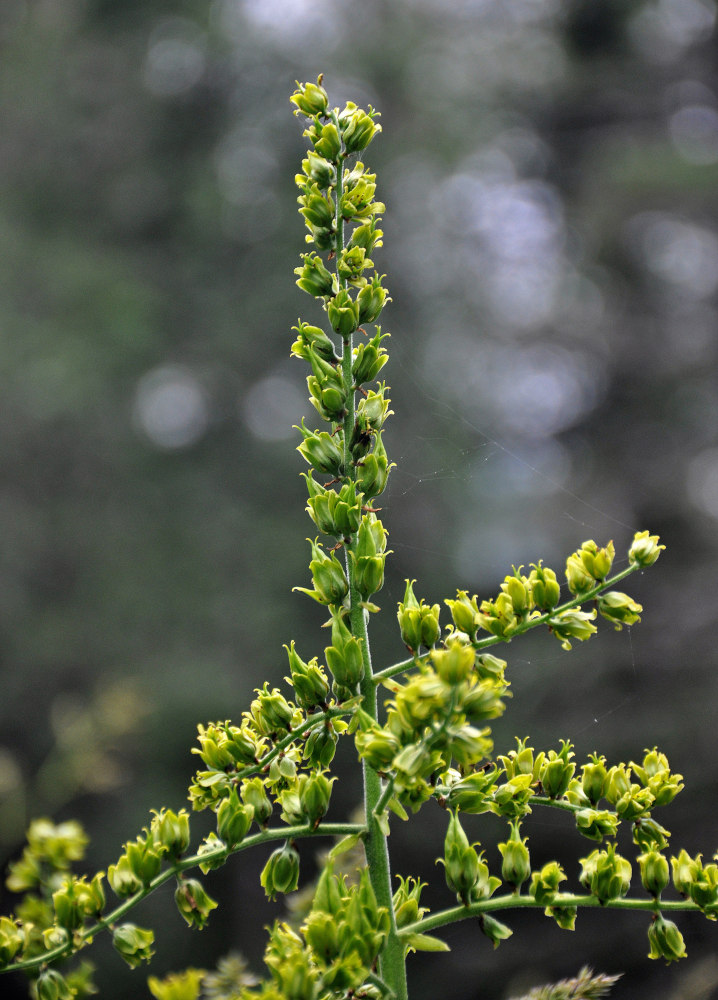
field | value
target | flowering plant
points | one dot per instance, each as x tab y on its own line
267	779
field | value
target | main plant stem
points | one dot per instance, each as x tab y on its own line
392	962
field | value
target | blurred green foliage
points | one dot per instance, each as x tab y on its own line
552	245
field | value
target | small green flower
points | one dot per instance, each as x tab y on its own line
666	940
281	872
310	98
133	943
644	549
193	902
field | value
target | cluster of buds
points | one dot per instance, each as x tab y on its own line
338	206
629	800
434	719
335	950
528	600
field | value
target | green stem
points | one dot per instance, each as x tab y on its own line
85	936
513	902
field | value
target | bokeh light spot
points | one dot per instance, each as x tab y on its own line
171	407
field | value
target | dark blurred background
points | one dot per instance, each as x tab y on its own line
551	178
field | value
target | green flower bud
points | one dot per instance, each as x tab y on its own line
57	844
644	549
69	911
578	578
369	358
666	940
576	795
343	313
372	411
327	392
327	142
465	872
358	127
572	624
314	794
565	916
511	800
271	712
377	746
145	859
357	200
371	300
406	901
493	929
367	236
498	617
329	896
11	940
330	582
619	609
352	263
317	208
650	835
373	470
516	864
545	883
597	562
310	99
685	872
368	574
185	985
254	794
557	771
594	778
518	589
606	874
322	450
233	819
170	831
320	746
281	872
704	888
214	850
654	872
596	824
344	656
312	341
454	663
419	622
334	513
655	774
193	902
318	170
51	985
473	793
133	943
490	667
314	278
464	612
460	860
523	761
545	588
124	881
309	681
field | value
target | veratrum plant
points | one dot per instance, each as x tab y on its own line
427	740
